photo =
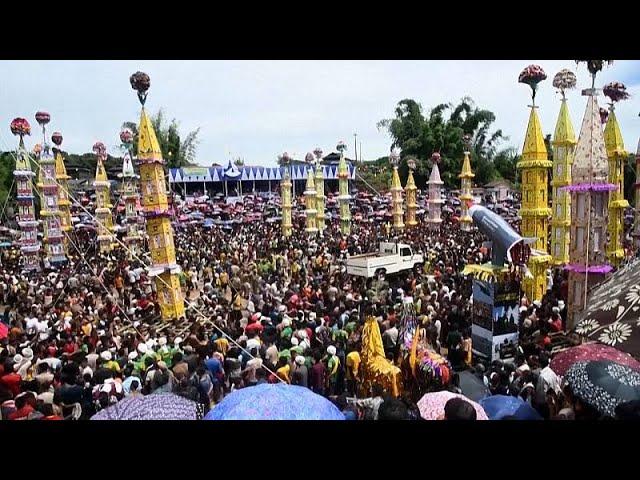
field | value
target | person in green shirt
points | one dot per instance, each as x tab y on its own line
333	366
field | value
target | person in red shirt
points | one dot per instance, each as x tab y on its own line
70	347
555	322
23	408
11	380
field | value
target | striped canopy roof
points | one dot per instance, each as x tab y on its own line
217	174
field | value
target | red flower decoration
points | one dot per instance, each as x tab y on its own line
140	82
126	136
532	76
99	149
616	91
56	138
20	126
435	157
43	118
318	152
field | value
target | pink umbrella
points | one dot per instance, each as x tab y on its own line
562	361
432	405
4	331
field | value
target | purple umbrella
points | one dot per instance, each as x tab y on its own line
164	406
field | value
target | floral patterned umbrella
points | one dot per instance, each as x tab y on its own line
603	384
612	315
165	406
591	351
432	405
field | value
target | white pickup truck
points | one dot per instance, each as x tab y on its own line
392	258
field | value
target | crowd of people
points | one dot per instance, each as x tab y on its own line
261	308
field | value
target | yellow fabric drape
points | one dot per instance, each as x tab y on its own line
375	367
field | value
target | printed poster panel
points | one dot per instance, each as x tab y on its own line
506	320
481	322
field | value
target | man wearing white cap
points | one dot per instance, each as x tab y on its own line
333	366
300	373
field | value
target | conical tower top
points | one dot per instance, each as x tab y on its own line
534	151
343	169
411	183
434	178
101	173
466	167
148	146
127	166
311	186
22	158
590	163
564	134
612	136
395	180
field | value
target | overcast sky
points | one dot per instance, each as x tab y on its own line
258	109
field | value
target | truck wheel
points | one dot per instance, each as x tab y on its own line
418	268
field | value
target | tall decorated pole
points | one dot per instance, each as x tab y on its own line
435	194
535	212
410	191
103	200
320	216
310	197
589	191
564	142
344	199
53	236
155	206
133	238
396	193
285	195
64	204
29	244
617	156
466	179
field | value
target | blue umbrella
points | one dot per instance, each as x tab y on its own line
499	406
274	402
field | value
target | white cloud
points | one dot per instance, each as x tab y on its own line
258	109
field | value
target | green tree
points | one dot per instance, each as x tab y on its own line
177	150
419	135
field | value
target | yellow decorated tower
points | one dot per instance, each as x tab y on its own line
156	210
285	196
617	157
396	193
535	212
411	191
310	198
320	216
564	142
103	200
64	204
344	198
466	179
